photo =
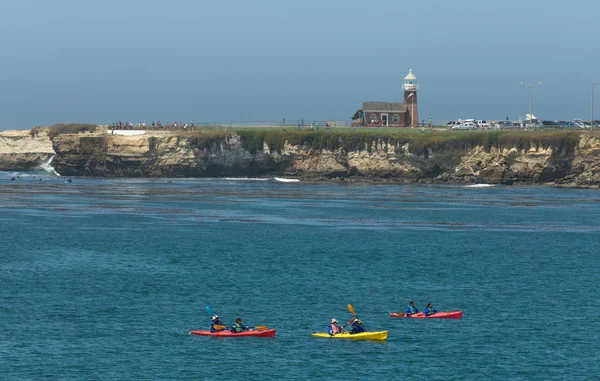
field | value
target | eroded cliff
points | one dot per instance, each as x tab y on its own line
19	151
482	157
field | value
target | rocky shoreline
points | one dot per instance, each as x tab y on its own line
563	159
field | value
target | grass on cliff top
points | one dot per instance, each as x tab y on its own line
418	143
72	128
561	142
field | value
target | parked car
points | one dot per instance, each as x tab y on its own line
504	125
550	124
465	126
483	124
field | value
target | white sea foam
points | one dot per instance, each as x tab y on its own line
245	179
480	185
282	180
48	168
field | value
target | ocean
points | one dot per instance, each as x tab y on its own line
102	279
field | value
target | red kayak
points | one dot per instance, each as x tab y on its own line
227	333
437	315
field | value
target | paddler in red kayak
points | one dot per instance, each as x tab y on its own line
238	326
429	310
216	321
411	309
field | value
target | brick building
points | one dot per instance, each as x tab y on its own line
395	114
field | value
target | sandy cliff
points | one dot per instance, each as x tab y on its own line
374	159
20	152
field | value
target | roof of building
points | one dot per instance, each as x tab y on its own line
410	76
384	106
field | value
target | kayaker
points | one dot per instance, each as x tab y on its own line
430	310
411	309
334	328
238	326
216	320
357	326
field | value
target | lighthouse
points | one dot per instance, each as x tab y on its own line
410	98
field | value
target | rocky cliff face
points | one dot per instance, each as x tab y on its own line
21	152
213	155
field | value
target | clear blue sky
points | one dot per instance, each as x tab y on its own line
101	61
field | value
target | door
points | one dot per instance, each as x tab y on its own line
384	120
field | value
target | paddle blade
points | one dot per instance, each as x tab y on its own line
210	311
262	327
219	326
351	309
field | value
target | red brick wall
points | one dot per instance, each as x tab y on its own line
401	123
412	120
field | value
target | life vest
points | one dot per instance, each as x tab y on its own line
413	310
237	328
334	329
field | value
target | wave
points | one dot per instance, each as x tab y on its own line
48	168
480	185
282	180
245	179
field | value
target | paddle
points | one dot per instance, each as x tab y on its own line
258	327
210	311
351	309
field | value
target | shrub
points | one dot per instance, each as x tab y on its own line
59	129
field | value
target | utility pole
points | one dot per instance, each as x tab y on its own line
592	111
531	85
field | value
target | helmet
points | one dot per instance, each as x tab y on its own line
215	317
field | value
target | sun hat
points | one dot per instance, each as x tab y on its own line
333	321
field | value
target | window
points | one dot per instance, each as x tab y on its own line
373	117
395	118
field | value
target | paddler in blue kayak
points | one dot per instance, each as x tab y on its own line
429	310
216	321
357	326
238	326
411	309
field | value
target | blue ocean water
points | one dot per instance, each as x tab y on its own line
103	279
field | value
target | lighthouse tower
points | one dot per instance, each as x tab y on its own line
410	98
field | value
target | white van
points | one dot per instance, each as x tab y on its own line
483	124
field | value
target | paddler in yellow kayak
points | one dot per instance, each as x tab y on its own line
334	328
357	326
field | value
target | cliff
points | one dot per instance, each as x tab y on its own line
21	152
569	158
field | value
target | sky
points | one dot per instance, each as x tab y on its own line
102	61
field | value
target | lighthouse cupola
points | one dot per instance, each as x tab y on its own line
410	82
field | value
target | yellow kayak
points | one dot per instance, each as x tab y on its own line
381	335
